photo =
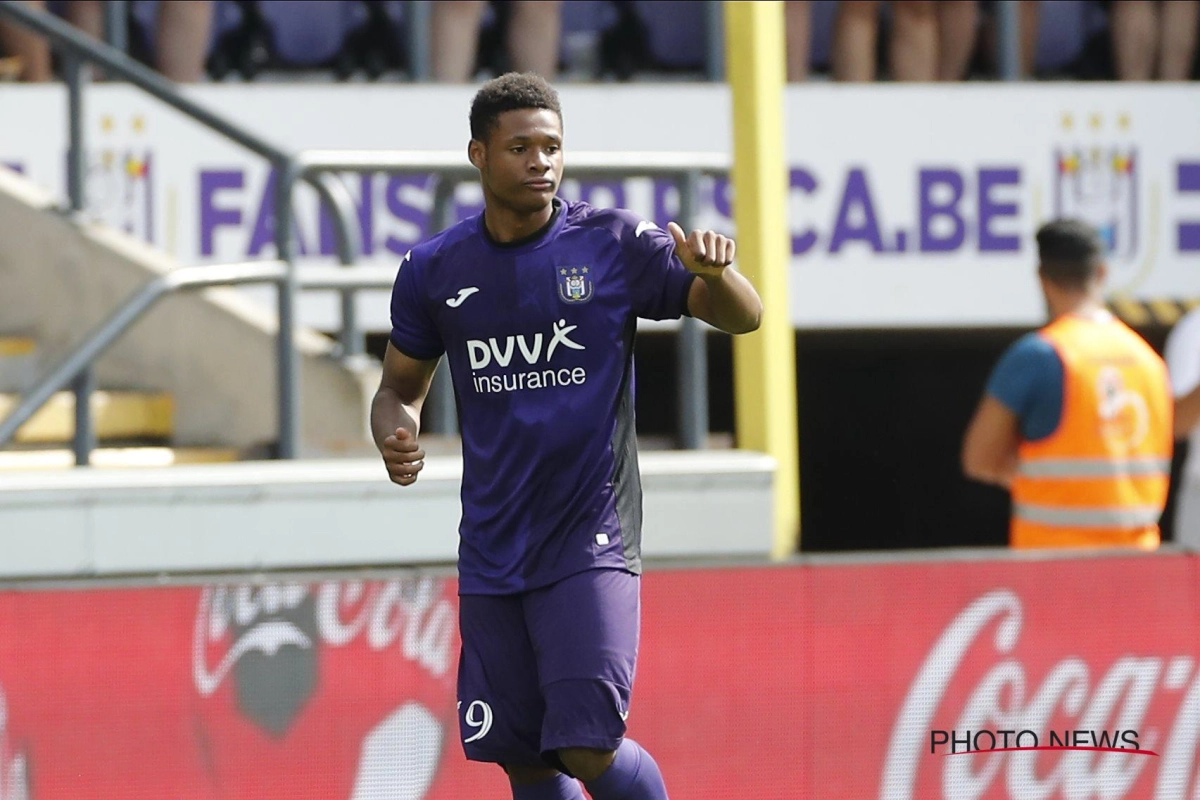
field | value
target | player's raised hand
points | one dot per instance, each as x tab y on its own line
706	253
403	457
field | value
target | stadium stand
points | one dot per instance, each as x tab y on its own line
228	17
584	25
1062	34
673	33
600	39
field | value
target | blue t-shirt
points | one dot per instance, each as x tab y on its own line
539	336
1028	380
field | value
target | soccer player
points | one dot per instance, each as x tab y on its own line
535	301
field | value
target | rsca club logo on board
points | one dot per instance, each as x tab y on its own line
1096	178
512	354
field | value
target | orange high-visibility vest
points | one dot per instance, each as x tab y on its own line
1100	480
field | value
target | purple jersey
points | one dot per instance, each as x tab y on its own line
539	336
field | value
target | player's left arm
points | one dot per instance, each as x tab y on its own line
722	297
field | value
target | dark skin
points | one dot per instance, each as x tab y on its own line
520	167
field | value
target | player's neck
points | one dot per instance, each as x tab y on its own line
506	225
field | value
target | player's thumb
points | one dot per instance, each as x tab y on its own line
403	434
677	235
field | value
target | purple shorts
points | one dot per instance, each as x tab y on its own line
549	668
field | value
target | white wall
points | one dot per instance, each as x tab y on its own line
265	515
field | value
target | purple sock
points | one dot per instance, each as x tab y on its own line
560	788
632	776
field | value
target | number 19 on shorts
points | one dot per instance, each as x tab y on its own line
479	717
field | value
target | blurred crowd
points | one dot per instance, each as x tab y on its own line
952	40
465	40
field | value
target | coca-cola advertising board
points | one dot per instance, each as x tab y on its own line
1005	678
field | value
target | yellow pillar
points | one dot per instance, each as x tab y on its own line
764	361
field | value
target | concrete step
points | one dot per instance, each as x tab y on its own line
116	415
116	457
18	363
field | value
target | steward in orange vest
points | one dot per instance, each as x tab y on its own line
1076	420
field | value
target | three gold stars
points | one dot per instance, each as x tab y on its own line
108	123
1095	121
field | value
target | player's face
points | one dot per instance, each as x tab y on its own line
521	163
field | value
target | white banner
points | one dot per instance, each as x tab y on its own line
909	206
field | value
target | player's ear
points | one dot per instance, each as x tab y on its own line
475	153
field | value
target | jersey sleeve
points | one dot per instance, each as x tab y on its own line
658	281
413	330
1028	381
1183	354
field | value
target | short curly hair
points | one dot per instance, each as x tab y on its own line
510	92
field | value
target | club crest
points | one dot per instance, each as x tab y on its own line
1097	178
574	284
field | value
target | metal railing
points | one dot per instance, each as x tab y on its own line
316	168
75	369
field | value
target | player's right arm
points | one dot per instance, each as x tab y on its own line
408	366
396	414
